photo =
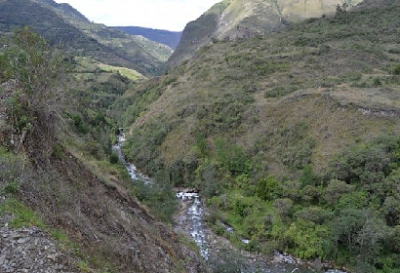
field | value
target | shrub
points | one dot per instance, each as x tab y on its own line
160	197
280	91
268	188
396	70
113	158
227	261
232	158
307	238
39	70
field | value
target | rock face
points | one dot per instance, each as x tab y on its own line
239	19
31	250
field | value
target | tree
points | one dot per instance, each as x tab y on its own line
232	158
284	207
306	238
308	177
207	180
364	164
361	231
335	190
269	188
37	103
391	210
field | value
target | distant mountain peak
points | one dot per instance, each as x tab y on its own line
62	24
237	19
72	11
64	7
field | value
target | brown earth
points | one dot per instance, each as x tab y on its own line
111	228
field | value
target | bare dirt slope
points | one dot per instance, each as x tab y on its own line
109	226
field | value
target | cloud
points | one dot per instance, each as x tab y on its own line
161	14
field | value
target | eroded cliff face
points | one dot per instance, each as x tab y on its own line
106	222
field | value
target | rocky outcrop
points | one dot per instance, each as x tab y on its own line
30	249
241	19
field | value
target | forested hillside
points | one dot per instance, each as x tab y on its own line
293	137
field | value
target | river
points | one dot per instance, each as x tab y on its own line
189	220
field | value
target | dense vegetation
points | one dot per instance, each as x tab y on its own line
293	138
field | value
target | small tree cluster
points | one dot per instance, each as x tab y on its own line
34	107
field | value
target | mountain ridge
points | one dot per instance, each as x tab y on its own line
237	19
166	37
64	25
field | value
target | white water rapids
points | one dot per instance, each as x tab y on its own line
131	168
194	213
193	222
195	219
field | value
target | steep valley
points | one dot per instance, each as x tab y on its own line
65	205
279	119
269	127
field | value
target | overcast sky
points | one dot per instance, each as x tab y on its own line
161	14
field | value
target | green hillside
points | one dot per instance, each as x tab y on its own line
62	24
238	19
56	164
293	137
144	53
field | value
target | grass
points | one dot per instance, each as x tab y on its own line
22	216
84	266
106	172
88	65
126	72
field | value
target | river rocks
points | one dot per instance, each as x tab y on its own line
190	219
285	258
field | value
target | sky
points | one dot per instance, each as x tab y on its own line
161	14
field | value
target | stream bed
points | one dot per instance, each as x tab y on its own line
190	221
